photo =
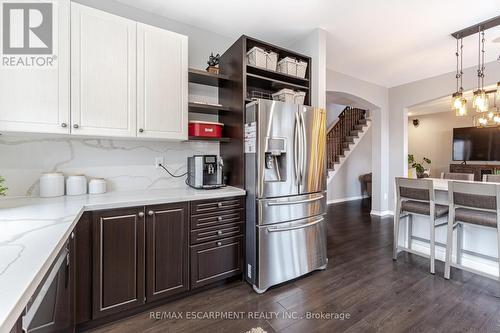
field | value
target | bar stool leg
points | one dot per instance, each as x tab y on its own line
498	241
396	232
410	229
460	242
432	243
449	241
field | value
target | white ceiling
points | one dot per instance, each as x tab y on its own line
388	42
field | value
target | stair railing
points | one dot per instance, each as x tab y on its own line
337	136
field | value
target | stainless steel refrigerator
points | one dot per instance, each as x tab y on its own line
285	179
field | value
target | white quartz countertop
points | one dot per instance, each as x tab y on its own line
34	230
442	184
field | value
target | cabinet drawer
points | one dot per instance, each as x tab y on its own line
217	218
209	206
217	232
216	260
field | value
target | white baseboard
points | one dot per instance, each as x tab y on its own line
358	197
382	212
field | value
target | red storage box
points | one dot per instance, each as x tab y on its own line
205	129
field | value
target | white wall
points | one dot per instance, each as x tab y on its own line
374	98
314	46
433	138
346	184
405	96
333	111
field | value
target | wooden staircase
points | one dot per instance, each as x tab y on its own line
350	124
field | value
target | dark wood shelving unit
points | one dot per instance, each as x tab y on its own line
203	77
199	76
268	83
234	94
277	75
207	108
202	138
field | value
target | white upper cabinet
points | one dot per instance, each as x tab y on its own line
103	73
34	86
125	79
162	83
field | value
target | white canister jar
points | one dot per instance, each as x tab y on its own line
76	185
97	186
51	185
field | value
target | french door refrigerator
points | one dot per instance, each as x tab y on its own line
285	180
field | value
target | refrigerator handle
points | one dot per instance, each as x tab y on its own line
303	149
285	203
301	226
296	143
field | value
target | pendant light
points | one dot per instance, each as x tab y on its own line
480	101
458	102
497	95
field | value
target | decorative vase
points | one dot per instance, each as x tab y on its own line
412	173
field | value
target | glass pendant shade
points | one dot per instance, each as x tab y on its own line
461	110
480	101
496	118
497	95
482	121
456	100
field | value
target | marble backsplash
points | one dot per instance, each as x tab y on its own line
125	164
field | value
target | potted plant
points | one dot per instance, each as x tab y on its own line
3	189
419	168
213	63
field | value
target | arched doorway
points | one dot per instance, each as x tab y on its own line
351	181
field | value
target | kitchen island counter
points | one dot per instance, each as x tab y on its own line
480	243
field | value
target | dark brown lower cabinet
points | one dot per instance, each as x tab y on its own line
128	257
51	309
216	260
118	260
167	266
83	269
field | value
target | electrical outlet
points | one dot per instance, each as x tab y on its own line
158	161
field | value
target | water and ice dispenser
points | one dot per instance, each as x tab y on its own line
275	163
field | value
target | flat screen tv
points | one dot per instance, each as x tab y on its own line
476	144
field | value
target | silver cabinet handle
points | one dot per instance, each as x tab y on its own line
276	229
141	130
282	203
141	214
219	232
219	243
75	126
64	125
150	213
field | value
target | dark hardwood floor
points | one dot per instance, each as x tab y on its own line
361	280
